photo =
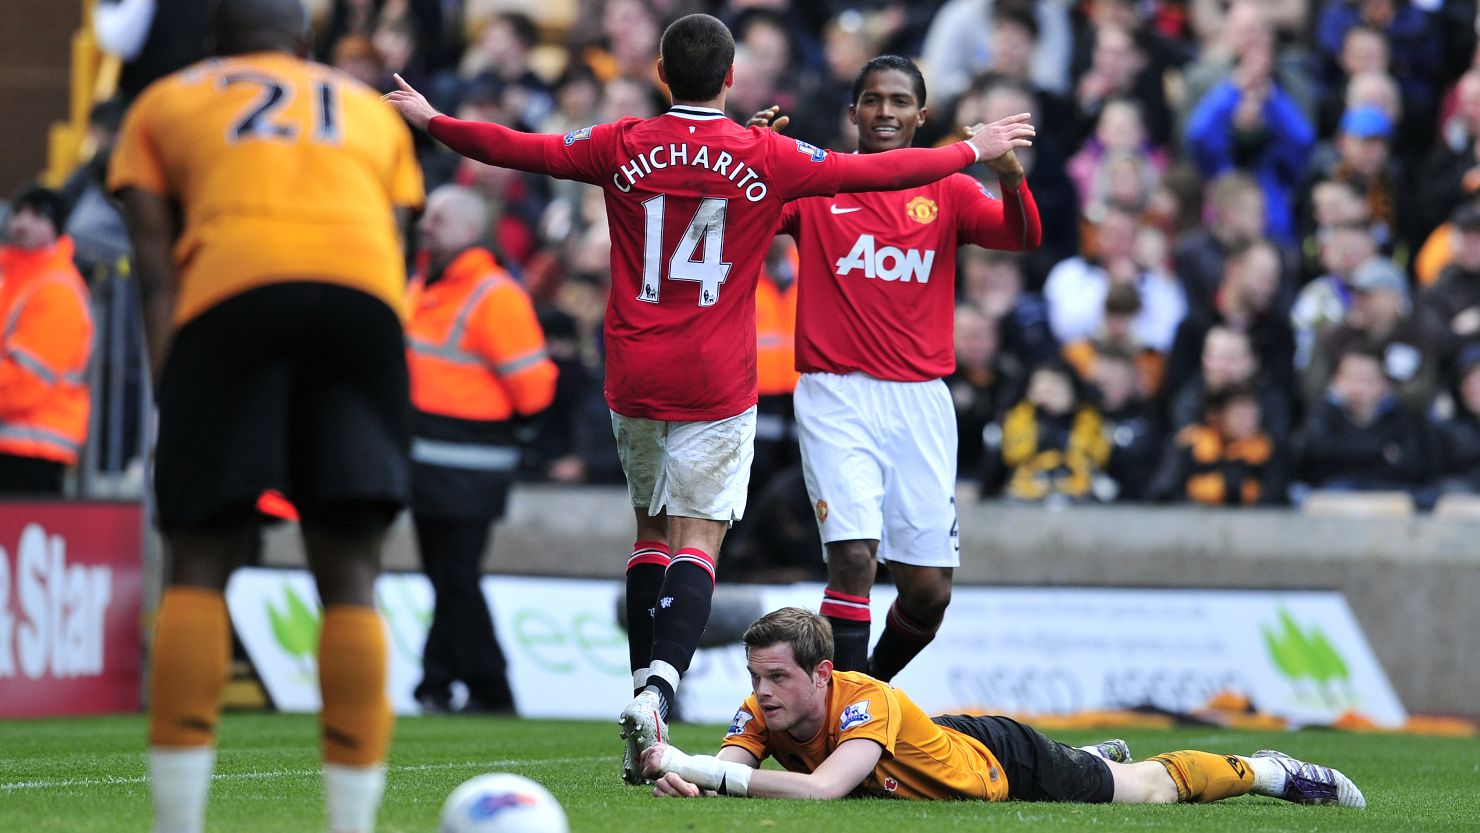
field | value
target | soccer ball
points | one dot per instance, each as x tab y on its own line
502	802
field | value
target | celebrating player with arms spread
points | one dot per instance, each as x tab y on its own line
875	314
692	200
842	733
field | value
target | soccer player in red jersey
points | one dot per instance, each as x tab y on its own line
692	200
875	315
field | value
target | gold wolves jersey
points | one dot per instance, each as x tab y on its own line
921	760
284	170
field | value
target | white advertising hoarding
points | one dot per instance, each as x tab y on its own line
1022	650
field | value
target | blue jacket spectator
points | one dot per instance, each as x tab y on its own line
1249	123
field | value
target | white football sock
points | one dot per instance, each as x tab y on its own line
180	780
1269	776
352	796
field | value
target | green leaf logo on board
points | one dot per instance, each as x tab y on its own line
1309	660
296	626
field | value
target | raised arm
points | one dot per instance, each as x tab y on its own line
491	144
1011	224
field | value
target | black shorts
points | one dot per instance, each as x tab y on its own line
1037	767
299	387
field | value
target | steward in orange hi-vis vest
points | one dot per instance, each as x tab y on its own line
46	333
479	369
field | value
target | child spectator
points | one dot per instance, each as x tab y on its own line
1051	446
1224	459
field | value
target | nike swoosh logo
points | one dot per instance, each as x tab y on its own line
837	210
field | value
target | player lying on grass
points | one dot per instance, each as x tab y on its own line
840	734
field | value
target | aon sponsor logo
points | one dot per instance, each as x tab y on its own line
53	621
889	263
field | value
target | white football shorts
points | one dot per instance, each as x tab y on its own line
692	469
880	462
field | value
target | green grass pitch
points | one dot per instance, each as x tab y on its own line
87	775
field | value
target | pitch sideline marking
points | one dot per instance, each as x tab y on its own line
291	773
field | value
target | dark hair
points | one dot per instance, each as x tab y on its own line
244	26
697	52
1022	18
898	63
809	635
524	29
47	202
1214	401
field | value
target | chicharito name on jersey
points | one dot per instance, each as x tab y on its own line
721	162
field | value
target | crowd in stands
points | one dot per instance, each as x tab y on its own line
1260	270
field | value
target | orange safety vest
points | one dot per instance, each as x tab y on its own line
45	344
476	352
775	338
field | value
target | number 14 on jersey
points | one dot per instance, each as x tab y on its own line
708	225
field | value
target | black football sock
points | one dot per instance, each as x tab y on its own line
851	621
679	619
645	571
902	640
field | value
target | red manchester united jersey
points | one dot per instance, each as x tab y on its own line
692	201
877	277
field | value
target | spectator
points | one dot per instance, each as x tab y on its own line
1076	288
1359	437
993	99
94	223
1118	68
1457	436
1225	458
1247	27
1116	333
1413	45
356	56
959	43
1131	424
1333	202
992	281
1246	300
1323	303
44	348
1362	155
1119	131
1451	172
1250	123
1228	359
501	53
1380	321
1452	305
1051	447
568	451
1235	208
984	384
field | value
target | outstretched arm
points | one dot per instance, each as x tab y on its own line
836	777
910	167
491	144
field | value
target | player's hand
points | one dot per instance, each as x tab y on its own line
1001	137
411	104
672	786
1012	132
652	760
769	118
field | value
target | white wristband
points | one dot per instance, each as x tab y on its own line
708	772
976	152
